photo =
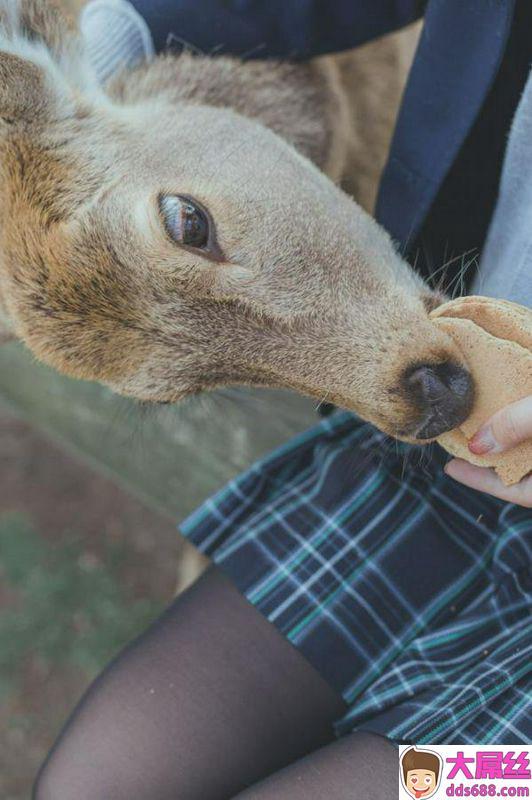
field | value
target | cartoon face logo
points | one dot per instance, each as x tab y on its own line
420	772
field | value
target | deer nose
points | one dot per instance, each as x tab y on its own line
444	394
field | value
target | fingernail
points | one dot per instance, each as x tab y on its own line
484	442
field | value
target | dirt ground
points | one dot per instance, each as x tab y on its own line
83	568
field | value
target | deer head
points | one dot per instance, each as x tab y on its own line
165	246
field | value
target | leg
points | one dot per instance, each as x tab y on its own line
209	700
359	767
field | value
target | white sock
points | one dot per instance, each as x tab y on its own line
116	36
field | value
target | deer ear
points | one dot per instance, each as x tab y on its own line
43	65
24	93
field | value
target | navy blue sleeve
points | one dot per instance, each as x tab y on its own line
295	29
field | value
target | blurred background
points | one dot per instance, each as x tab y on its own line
83	568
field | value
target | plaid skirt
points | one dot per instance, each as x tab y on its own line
409	593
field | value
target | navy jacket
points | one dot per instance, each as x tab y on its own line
461	48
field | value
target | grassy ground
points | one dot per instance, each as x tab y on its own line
83	568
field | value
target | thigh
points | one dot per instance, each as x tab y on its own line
209	700
359	767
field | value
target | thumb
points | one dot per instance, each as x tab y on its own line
506	429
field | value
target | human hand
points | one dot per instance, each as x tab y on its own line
507	428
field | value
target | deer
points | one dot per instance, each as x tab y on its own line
184	228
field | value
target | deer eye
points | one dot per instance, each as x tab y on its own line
186	222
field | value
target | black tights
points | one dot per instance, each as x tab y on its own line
207	703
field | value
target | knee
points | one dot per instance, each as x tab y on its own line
49	784
60	780
43	788
372	742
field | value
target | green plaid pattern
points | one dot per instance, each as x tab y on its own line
411	594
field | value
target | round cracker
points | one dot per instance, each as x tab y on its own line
501	318
495	338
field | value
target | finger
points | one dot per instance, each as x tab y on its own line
486	480
507	428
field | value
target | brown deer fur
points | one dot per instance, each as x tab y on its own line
311	294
